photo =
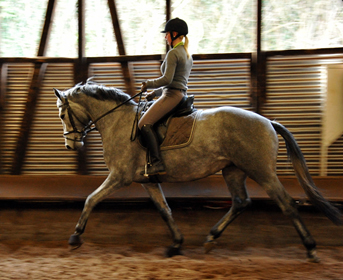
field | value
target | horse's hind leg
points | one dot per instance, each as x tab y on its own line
278	193
157	196
235	180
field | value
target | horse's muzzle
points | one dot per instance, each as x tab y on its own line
68	147
72	144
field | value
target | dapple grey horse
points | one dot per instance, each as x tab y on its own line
237	142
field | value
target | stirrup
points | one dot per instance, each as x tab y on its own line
146	171
159	172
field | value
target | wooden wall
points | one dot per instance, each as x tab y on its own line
288	86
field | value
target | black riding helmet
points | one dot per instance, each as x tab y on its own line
177	25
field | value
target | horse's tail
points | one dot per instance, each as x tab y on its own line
304	177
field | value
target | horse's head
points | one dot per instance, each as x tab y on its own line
74	120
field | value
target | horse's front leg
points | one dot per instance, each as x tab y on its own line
105	189
159	200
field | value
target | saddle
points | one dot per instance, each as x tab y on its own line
175	128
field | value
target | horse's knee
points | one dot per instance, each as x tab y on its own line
89	203
240	204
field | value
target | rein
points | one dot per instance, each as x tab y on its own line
87	127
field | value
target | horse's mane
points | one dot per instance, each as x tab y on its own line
100	92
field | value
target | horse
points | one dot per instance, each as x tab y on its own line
237	142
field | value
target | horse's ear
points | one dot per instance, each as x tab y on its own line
58	93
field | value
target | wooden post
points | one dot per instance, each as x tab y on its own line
3	84
168	17
3	89
81	75
258	68
31	102
80	65
258	81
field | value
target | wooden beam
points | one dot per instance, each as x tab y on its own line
158	57
3	84
80	65
259	26
81	75
258	76
3	89
41	59
81	21
46	28
305	52
123	58
128	77
126	69
168	17
133	58
168	10
116	27
258	68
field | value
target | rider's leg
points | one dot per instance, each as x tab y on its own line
149	135
167	102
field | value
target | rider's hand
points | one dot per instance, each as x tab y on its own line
144	87
150	96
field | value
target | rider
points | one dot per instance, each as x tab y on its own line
171	87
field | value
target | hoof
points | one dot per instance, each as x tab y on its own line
209	246
75	241
173	251
312	256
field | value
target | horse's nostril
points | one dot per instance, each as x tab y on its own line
68	147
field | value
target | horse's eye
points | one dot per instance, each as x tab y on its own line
62	117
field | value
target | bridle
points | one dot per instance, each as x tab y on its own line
87	127
71	116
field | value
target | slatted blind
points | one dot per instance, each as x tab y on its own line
218	83
335	158
46	153
18	82
213	82
295	90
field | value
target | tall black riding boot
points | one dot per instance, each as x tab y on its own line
150	138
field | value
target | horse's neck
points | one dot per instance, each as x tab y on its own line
118	119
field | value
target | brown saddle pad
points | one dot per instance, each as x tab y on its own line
179	131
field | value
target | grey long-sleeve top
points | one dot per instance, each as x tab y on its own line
175	69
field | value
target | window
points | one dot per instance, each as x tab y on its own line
141	22
215	26
63	40
20	27
302	24
218	26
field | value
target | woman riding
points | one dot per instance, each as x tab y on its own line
171	87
